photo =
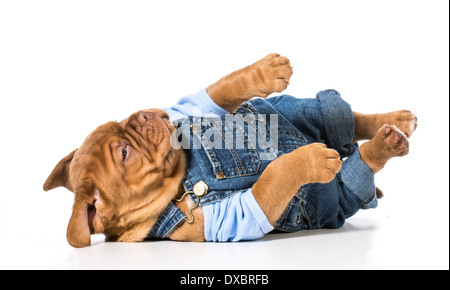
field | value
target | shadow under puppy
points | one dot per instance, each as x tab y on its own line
216	174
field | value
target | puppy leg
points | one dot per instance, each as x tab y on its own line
367	125
281	180
268	75
388	142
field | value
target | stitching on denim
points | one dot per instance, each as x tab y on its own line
190	182
251	152
238	172
215	197
212	156
175	225
231	153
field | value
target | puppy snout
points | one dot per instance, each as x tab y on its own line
144	116
163	115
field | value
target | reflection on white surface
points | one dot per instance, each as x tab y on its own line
363	243
316	249
345	248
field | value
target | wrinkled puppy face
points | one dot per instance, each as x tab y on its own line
123	176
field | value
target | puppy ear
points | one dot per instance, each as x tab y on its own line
78	232
60	174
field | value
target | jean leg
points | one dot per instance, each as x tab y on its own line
359	180
338	121
328	205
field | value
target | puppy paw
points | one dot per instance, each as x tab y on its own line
394	141
389	142
271	74
405	120
319	163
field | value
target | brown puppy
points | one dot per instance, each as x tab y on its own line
126	173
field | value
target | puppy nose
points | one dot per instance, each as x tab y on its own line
144	116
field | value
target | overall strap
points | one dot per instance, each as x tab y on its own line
167	222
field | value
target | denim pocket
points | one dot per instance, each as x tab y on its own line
228	147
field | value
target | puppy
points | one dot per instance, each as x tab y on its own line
230	167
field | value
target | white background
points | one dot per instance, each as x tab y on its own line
69	66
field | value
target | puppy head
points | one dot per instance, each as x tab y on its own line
123	176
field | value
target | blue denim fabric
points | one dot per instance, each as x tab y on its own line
171	217
237	165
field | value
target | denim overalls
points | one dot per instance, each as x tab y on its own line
230	153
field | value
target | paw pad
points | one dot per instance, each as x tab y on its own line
395	141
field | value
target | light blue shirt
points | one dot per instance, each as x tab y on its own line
239	216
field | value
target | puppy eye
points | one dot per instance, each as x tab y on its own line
124	154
